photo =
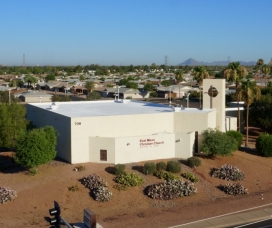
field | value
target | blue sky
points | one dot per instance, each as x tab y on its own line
137	32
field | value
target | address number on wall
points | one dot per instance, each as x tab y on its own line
77	123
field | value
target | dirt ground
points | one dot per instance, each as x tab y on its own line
130	208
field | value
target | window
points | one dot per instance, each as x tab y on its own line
103	155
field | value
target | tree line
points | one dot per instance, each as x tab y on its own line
101	70
33	146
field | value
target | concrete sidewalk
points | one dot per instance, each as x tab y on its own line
230	220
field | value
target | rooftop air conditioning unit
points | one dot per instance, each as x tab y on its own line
54	106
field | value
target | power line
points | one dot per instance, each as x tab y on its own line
166	60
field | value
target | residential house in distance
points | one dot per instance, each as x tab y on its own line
124	93
35	97
176	91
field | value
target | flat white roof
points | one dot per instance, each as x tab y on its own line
110	108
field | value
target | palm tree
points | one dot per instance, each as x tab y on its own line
30	80
35	81
153	66
89	86
259	63
265	70
81	77
200	73
249	92
235	74
179	76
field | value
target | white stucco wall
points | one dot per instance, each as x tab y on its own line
95	145
115	126
184	145
231	123
144	148
123	150
194	121
36	99
233	112
218	102
136	96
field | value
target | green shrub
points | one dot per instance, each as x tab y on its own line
161	166
92	96
119	169
193	162
79	168
120	187
238	136
36	147
190	176
217	143
149	168
129	179
33	171
153	94
264	145
73	188
173	166
172	98
162	174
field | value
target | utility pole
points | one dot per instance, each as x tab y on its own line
66	88
200	91
170	96
179	91
187	94
9	95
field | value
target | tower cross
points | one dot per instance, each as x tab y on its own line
212	92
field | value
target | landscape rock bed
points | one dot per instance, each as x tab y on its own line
29	208
7	194
228	172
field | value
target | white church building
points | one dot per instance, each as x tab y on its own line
125	131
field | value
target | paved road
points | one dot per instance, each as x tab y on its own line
249	218
260	224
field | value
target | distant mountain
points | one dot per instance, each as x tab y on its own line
193	62
189	62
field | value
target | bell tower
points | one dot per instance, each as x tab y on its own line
214	98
